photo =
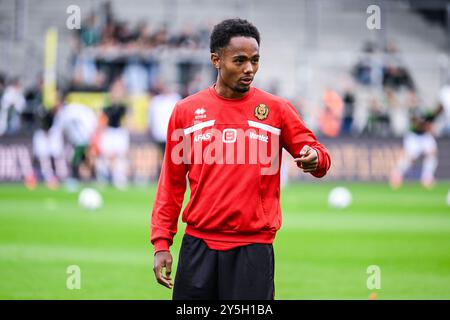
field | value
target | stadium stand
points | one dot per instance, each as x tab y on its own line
309	51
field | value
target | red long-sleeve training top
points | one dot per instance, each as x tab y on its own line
230	151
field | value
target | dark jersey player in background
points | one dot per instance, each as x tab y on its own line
114	114
114	140
419	141
219	139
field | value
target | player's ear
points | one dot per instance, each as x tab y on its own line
215	60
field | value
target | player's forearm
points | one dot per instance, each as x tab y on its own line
166	210
168	204
163	229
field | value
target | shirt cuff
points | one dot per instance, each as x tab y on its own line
161	245
319	172
318	158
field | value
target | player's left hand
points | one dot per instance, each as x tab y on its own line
308	159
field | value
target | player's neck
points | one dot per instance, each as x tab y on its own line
227	92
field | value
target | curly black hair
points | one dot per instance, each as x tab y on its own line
227	29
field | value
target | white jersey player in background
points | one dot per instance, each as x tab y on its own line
444	100
160	110
12	104
419	141
78	123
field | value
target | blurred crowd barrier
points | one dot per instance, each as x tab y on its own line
363	159
370	159
16	160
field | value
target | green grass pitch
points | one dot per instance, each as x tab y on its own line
320	253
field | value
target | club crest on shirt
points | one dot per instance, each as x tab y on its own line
261	111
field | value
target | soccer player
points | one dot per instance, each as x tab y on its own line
48	150
419	141
444	100
227	139
78	123
114	139
161	107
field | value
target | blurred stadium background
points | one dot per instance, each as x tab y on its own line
132	60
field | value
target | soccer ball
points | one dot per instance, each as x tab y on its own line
90	199
339	198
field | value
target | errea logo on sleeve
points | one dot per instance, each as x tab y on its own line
200	113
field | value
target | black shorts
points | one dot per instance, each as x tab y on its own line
243	273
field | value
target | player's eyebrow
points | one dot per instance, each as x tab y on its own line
245	56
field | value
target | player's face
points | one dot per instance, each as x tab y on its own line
237	65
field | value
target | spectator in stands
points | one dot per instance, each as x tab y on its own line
368	67
117	48
136	77
391	55
196	84
106	14
186	38
161	37
330	118
90	34
34	106
203	35
399	105
348	98
378	123
86	76
395	74
397	77
2	84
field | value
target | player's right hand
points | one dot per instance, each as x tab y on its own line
308	160
163	259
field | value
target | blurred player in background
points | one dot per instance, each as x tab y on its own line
48	149
419	141
114	139
444	99
12	104
78	123
161	107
